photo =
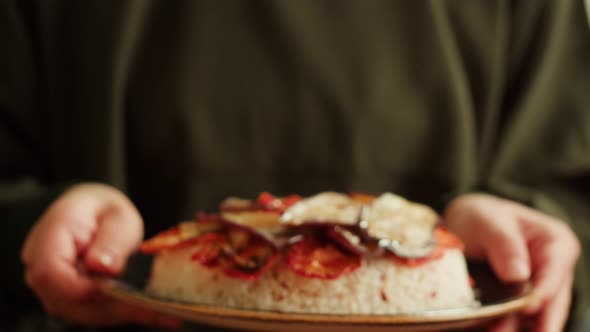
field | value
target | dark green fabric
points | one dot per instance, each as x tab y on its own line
180	103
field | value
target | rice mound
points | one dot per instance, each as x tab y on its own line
380	286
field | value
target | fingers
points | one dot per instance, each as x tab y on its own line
64	229
58	277
554	253
52	265
52	249
491	230
92	224
554	315
507	251
497	237
118	234
507	324
93	220
520	242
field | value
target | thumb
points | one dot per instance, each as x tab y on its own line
506	324
119	232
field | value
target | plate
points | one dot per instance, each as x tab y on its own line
497	299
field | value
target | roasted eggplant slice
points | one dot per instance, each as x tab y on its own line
257	221
236	204
251	262
264	202
177	236
347	239
264	224
328	207
402	227
444	240
237	252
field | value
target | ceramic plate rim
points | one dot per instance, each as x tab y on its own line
126	293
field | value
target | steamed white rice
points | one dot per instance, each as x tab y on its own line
378	287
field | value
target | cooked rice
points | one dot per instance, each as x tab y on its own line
378	287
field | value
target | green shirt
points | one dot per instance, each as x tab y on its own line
181	103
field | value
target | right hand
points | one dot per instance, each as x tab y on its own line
90	229
520	243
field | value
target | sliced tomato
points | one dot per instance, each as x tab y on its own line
313	258
269	202
444	240
209	248
163	240
266	199
237	253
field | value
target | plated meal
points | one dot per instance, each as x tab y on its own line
330	253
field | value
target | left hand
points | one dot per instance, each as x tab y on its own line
90	229
520	243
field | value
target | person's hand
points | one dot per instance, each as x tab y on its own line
520	243
92	228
